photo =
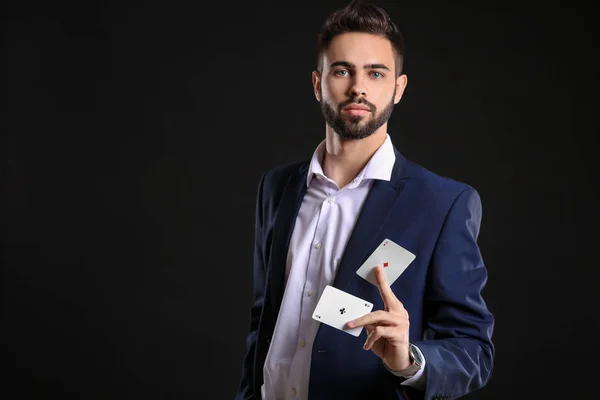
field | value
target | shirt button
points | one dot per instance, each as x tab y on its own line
302	343
309	293
330	199
318	245
294	391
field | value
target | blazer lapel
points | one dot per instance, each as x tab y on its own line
377	207
282	231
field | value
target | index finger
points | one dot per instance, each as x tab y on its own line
389	298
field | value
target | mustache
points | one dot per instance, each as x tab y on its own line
355	100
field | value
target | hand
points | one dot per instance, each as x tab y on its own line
387	329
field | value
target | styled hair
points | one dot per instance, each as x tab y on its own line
359	16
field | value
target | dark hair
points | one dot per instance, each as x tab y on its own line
358	16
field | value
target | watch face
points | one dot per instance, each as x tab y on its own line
416	354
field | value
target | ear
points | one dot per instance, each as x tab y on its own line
316	81
401	82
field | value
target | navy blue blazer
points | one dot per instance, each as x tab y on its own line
434	217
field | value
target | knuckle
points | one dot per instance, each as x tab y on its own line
399	315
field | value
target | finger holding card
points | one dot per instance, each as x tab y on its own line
390	301
387	329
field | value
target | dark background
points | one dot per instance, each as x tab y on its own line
134	135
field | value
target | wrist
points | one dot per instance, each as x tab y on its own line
409	367
401	360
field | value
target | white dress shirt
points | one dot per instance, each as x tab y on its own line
325	221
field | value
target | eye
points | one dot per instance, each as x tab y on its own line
341	72
377	75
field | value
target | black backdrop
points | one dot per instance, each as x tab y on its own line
134	135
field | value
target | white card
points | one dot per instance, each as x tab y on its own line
336	308
391	257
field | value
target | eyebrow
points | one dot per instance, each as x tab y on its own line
348	64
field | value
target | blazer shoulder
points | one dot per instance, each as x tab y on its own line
434	184
278	176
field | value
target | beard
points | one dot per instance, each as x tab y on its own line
352	127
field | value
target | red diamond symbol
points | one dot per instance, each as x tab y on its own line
385	264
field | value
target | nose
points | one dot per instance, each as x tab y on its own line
358	87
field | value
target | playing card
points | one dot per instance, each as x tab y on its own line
392	258
336	308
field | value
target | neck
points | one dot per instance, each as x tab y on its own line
344	159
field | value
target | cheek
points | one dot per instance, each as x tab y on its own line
333	89
385	98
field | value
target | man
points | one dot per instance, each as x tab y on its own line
429	334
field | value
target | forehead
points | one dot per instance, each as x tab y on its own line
359	48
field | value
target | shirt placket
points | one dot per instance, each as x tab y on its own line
310	296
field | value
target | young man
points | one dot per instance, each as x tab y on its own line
429	334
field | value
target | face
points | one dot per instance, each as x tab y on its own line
357	88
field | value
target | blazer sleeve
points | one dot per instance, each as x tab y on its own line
246	389
457	324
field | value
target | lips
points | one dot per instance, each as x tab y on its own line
356	110
356	107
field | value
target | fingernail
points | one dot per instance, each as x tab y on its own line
351	324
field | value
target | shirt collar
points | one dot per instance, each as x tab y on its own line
380	165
